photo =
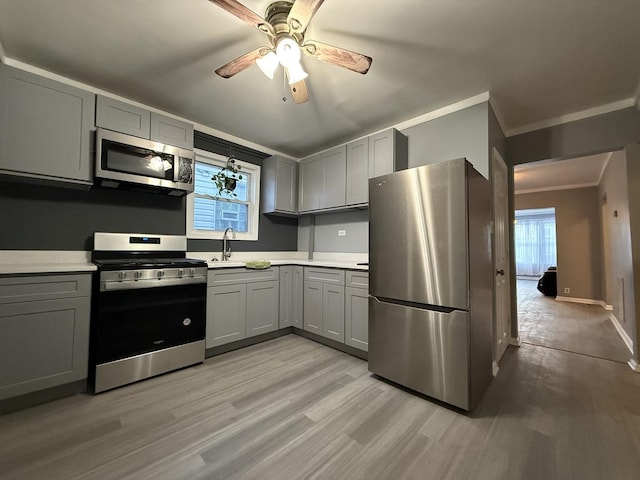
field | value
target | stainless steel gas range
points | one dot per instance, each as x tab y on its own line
148	308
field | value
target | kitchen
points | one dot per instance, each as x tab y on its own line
468	129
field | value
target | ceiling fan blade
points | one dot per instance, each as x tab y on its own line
298	90
240	63
243	13
337	56
301	14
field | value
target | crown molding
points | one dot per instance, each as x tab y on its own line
556	187
604	167
572	117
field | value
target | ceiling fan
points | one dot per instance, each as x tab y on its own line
285	24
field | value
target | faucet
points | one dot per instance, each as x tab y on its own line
226	250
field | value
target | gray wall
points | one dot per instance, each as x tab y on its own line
578	237
618	284
356	225
602	133
34	217
459	134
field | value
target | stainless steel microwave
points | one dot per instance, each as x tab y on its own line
128	161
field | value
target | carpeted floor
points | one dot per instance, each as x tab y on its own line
573	327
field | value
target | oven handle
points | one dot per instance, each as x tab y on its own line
150	283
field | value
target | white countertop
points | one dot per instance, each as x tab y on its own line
16	262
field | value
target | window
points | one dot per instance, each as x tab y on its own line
209	214
535	239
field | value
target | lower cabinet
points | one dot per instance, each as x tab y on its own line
356	310
44	325
324	302
241	303
291	293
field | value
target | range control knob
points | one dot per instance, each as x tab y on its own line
122	275
192	272
180	272
160	273
137	274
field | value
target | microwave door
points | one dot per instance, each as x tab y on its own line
139	161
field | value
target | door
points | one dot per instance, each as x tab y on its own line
358	172
356	318
263	299
313	307
298	296
226	314
502	300
333	312
418	235
286	295
311	174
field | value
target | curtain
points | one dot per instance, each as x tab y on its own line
535	238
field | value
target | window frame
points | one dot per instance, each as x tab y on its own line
253	198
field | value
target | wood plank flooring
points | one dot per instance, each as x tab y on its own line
294	409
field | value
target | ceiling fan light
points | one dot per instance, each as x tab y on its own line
288	52
296	73
268	64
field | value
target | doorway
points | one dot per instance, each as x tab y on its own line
559	222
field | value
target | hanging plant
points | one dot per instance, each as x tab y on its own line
226	179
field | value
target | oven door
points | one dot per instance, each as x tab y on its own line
127	323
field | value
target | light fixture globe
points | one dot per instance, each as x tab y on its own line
288	52
268	64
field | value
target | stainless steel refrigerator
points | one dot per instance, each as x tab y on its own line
431	281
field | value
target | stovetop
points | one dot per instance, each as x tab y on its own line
133	263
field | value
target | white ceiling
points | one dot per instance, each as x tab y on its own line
539	59
562	174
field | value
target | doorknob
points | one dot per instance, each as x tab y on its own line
500	272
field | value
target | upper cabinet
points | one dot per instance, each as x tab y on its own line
339	177
279	188
45	128
126	118
322	180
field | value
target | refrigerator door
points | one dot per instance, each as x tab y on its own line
418	235
424	350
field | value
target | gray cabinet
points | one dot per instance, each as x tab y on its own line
291	293
44	325
357	190
388	152
226	314
356	319
279	190
324	302
322	180
45	128
140	122
241	303
297	307
262	307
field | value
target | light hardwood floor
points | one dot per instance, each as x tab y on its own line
292	409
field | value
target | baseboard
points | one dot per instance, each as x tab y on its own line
624	335
586	301
514	341
634	365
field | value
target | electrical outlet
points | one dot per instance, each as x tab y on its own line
567	290
342	233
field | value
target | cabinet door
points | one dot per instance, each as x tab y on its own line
333	312
43	344
297	309
45	127
286	186
226	314
313	307
286	296
122	117
334	183
263	300
357	172
356	318
381	153
311	183
171	131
